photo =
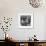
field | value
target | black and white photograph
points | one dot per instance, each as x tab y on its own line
25	20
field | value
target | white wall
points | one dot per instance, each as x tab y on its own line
12	8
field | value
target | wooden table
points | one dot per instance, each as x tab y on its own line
27	42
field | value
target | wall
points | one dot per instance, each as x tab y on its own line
11	8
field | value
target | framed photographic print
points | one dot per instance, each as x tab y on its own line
25	20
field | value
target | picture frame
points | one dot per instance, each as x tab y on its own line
25	20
